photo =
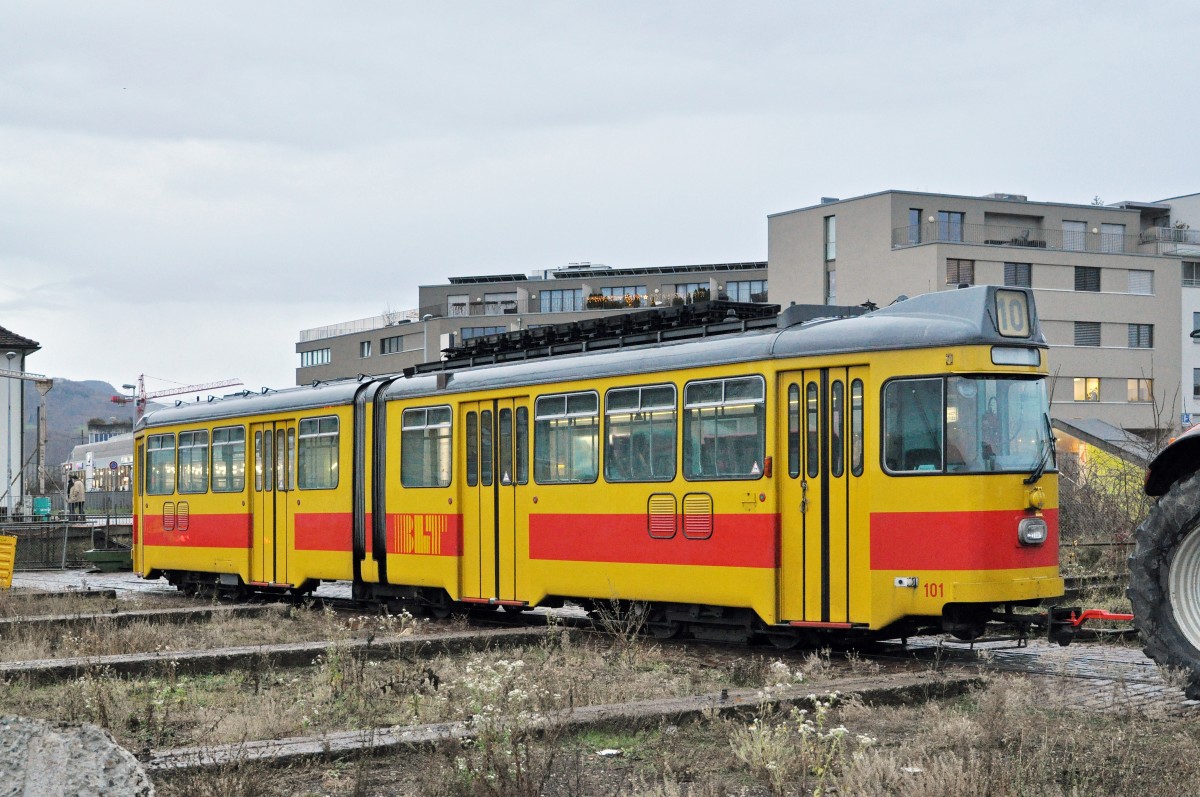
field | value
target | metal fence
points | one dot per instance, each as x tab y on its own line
1018	237
50	538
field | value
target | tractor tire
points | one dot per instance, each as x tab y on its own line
1164	581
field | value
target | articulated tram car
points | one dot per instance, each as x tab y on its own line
871	475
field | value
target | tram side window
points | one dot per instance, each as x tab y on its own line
472	449
793	431
566	438
639	444
229	459
317	459
856	427
160	464
193	461
724	428
912	425
522	445
425	447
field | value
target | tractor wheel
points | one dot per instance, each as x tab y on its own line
1164	581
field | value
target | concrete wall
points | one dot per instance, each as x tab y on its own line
12	413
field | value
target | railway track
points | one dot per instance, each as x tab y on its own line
1091	676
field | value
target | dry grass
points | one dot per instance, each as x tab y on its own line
345	690
1014	737
100	636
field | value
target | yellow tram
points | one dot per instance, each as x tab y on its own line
875	473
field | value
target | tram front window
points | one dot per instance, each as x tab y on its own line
966	425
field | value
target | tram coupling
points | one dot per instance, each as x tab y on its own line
1062	623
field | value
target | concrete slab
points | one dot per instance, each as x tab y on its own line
43	758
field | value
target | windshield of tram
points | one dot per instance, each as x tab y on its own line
966	425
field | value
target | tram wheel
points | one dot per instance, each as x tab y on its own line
1164	581
659	627
784	640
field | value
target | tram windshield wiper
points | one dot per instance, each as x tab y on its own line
1047	452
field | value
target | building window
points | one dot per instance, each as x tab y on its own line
193	461
950	225
425	447
746	291
1191	274
960	272
317	463
1112	237
1139	389
1087	388
466	333
1074	235
724	428
1141	336
392	345
639	434
1141	281
914	225
315	357
1087	278
831	237
692	292
1196	383
364	348
1195	326
229	459
616	297
498	303
1087	333
830	286
1018	274
628	295
561	300
565	438
458	304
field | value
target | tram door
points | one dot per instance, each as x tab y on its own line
496	435
821	487
274	480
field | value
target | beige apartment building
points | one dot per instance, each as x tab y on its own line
473	306
1106	280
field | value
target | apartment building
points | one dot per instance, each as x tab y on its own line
1106	280
1181	237
471	306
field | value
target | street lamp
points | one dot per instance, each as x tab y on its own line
8	448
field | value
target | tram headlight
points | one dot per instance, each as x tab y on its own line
1032	531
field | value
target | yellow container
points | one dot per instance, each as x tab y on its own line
8	557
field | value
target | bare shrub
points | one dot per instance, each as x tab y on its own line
624	621
235	779
800	748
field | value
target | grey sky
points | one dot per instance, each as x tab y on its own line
183	187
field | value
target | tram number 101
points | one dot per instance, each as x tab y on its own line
935	589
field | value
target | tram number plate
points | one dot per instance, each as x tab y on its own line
1012	314
935	589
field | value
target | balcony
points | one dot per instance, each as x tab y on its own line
463	309
1016	237
1173	241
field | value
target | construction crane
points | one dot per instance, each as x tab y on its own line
140	396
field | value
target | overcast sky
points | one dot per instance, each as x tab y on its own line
185	186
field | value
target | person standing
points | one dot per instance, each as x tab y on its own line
75	498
